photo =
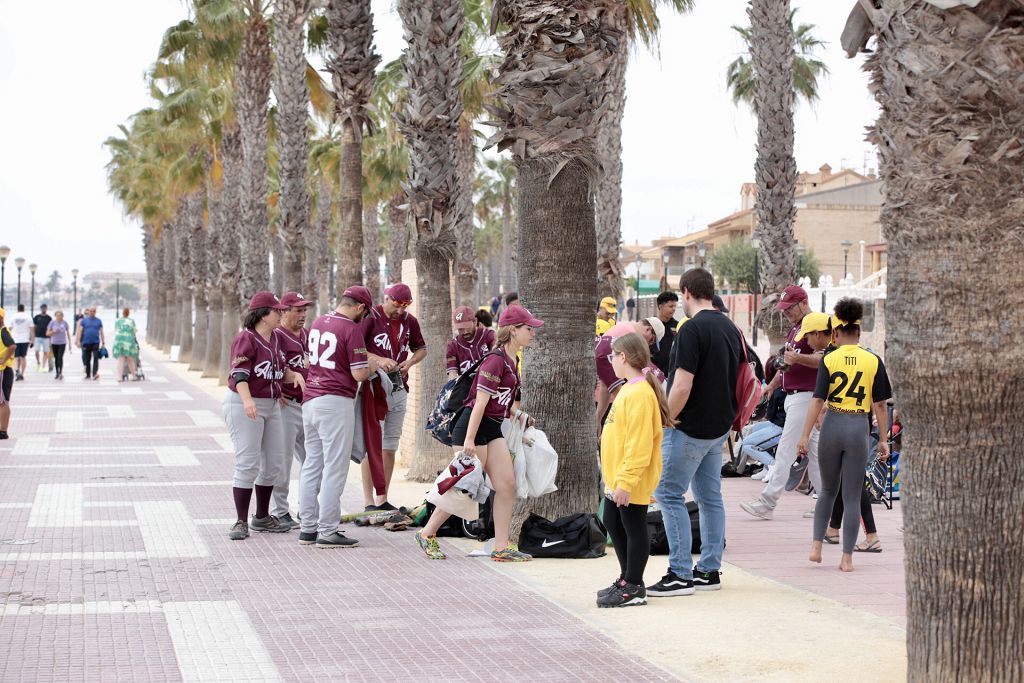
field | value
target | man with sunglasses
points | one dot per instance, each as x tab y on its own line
395	342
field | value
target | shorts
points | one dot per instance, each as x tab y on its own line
42	345
391	425
21	350
490	429
6	384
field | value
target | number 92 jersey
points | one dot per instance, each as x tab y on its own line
851	379
336	348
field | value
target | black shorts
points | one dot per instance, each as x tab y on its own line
490	429
21	350
6	383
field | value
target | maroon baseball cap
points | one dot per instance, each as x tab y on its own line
463	316
359	294
791	295
518	315
295	300
399	292
265	300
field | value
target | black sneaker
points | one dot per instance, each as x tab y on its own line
386	507
3	435
670	585
287	520
335	540
624	595
371	508
307	537
268	524
706	581
605	591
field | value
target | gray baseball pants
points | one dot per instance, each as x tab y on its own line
294	441
258	443
329	423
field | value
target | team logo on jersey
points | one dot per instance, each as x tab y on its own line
464	366
266	371
458	317
238	360
504	396
383	341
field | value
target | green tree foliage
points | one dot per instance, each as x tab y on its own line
733	265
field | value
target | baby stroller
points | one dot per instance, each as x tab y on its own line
139	374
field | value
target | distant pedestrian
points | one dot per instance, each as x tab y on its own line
631	467
662	354
511	299
709	350
252	412
293	340
40	342
470	343
58	333
495	305
338	362
23	333
630	309
126	346
90	339
484	319
606	311
7	349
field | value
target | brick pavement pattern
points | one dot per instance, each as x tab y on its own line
115	564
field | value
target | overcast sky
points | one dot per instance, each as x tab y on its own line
70	75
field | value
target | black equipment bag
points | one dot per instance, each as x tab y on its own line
573	536
659	539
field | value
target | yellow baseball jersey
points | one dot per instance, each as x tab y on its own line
851	379
603	326
6	342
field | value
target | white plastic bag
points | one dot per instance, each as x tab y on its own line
516	447
541	463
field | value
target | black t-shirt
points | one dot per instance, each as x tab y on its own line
42	322
661	355
711	347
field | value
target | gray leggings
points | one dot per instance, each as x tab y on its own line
842	457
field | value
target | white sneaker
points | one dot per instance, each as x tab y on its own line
758	509
763	475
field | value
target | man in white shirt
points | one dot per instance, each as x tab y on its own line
24	334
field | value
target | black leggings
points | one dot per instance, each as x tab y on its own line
866	515
58	357
91	352
627	526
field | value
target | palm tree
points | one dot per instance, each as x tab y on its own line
430	118
499	191
807	69
949	140
556	55
292	95
638	21
351	62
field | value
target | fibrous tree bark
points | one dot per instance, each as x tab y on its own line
429	120
371	252
557	53
771	53
214	246
398	237
317	259
199	253
292	95
950	138
230	259
352	63
465	233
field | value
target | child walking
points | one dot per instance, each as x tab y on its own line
631	467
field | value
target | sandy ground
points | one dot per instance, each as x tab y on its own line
754	629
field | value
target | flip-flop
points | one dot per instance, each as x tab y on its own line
875	547
832	540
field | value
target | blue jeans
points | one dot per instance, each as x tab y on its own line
761	436
686	461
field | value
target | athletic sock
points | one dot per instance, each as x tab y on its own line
263	494
242	498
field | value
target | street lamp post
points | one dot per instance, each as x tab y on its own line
861	278
665	257
702	251
639	260
19	264
846	244
32	302
74	305
5	251
755	242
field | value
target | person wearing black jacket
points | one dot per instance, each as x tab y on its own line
661	355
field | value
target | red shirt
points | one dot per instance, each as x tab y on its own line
396	343
336	348
261	362
799	377
461	353
498	377
296	352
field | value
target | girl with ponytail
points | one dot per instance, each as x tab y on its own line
631	466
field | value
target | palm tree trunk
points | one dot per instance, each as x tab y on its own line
398	236
771	54
350	204
371	242
292	96
229	260
949	139
277	249
608	198
318	255
231	323
509	276
214	333
199	253
169	299
252	93
465	237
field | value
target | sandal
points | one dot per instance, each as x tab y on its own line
874	547
832	540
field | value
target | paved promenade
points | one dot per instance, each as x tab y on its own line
115	565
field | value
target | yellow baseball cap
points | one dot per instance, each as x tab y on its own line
836	322
3	313
608	304
813	322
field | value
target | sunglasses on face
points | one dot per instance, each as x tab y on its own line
402	304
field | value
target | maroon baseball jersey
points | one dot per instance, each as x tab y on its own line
336	348
605	372
392	338
498	377
260	360
295	350
461	353
799	377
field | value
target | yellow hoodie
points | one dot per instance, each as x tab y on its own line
631	443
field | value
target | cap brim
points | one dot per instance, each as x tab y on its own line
533	322
799	336
610	309
786	305
280	307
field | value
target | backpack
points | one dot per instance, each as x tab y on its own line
450	402
659	539
748	390
481	528
574	536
